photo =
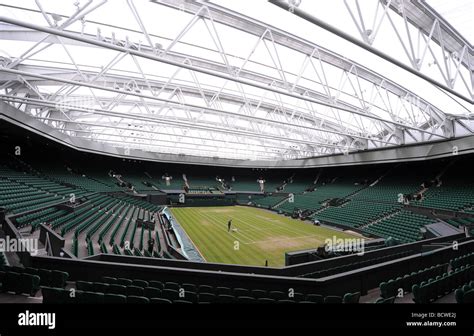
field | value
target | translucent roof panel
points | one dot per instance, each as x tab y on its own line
223	78
458	13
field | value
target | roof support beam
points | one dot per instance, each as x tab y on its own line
306	16
174	103
205	71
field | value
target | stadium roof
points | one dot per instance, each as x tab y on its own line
238	79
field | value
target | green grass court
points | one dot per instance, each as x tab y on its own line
258	234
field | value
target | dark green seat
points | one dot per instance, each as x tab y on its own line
59	278
207	289
84	285
389	288
241	292
117	289
224	291
100	287
297	297
468	296
114	298
170	294
91	297
156	284
159	300
135	291
188	296
189	287
386	300
45	276
419	293
351	297
109	280
259	293
137	299
29	284
140	283
464	295
124	281
277	295
206	297
246	299
54	295
152	292
172	285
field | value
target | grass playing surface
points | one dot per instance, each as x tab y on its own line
257	234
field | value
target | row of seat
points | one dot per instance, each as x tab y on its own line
37	220
122	294
356	213
453	194
201	293
101	219
382	300
460	221
465	294
114	225
19	283
401	180
392	287
118	289
61	296
73	178
140	203
467	259
22	220
64	296
403	225
76	215
268	201
23	192
51	278
82	222
355	265
443	284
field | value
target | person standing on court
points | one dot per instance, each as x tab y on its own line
229	225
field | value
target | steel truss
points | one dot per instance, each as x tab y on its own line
427	40
227	105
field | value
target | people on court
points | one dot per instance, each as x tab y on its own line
229	225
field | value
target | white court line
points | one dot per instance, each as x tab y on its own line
250	239
283	239
273	225
271	221
279	227
215	222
